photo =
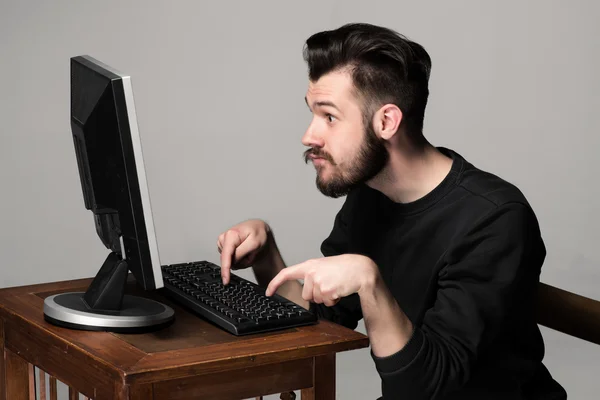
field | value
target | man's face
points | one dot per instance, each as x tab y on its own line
345	152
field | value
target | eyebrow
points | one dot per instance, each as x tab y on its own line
324	103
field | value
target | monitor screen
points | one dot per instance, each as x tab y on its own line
111	166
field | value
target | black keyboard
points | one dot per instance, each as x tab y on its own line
240	307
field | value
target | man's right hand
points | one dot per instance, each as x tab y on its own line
242	245
251	244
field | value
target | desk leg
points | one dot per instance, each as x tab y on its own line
134	392
323	379
18	380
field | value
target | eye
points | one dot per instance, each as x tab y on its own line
330	117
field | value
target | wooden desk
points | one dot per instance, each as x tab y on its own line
192	359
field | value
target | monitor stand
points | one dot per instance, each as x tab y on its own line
105	307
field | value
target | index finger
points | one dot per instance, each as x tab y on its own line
295	272
232	240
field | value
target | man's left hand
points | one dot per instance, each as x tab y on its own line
328	279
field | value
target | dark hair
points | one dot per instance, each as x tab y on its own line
385	66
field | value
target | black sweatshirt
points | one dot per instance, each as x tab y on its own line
463	263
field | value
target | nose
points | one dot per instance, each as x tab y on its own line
312	137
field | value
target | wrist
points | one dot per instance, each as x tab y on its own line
266	260
370	278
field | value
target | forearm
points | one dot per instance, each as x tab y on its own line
270	265
411	362
388	327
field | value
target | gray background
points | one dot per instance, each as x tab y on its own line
219	90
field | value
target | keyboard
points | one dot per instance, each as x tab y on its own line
240	307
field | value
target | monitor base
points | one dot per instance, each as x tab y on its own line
104	306
136	315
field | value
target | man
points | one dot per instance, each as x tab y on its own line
441	259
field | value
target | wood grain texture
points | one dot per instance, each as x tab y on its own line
306	342
32	393
307	394
323	380
324	377
73	394
114	354
141	392
188	332
133	392
16	377
53	388
569	313
42	380
51	287
63	360
239	384
89	362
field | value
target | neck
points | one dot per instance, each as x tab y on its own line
412	172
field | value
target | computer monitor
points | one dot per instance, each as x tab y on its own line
113	179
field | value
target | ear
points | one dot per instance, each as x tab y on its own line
387	121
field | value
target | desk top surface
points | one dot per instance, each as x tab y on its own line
189	346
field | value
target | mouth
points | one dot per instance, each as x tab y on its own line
316	158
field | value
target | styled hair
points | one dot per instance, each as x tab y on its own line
385	66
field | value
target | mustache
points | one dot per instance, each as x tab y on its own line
316	152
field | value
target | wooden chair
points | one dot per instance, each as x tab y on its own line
569	313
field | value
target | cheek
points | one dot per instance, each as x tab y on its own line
347	146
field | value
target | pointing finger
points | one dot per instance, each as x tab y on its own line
295	272
232	240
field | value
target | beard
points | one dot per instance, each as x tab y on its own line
370	159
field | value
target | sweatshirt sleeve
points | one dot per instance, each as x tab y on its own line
346	312
491	272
